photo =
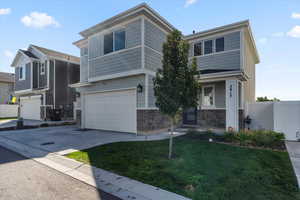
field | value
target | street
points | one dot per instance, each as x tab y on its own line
22	178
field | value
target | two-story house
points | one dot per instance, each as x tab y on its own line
42	77
7	81
120	57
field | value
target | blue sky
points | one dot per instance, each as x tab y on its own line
55	24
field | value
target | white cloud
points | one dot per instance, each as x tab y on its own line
9	54
278	34
189	2
263	40
294	32
5	11
296	16
39	20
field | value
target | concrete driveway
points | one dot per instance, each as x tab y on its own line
294	153
67	139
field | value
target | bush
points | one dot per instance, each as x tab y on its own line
260	138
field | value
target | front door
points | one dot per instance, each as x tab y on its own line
190	116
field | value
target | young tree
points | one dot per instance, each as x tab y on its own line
176	85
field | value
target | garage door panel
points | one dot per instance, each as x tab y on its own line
30	108
114	111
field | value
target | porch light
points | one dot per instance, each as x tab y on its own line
139	88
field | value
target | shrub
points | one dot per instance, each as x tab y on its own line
261	138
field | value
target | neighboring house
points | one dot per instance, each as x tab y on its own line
7	81
42	77
120	57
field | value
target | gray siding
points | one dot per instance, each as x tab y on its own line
153	60
225	60
23	84
154	37
127	82
83	68
151	97
115	63
221	60
133	34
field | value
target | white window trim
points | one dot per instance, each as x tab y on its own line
114	49
214	47
202	97
23	73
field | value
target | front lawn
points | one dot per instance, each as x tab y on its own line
200	170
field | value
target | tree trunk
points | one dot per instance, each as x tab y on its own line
171	139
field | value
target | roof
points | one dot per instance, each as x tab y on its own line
57	54
7	77
141	8
28	53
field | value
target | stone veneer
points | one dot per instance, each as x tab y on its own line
216	118
212	118
151	121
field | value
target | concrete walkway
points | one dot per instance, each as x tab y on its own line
294	153
114	184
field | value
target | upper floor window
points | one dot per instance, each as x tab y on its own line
114	41
220	44
208	47
22	73
208	96
198	49
42	68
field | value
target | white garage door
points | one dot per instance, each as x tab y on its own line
115	111
30	107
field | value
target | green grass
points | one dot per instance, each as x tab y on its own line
200	170
11	118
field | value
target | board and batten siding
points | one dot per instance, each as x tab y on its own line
84	64
23	84
118	84
125	60
229	59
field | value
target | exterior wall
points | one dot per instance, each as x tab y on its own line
6	89
115	63
84	64
154	39
261	114
8	111
119	61
212	118
126	82
228	59
65	74
151	96
249	68
151	121
23	84
42	80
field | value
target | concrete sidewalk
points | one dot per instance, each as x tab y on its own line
294	153
114	184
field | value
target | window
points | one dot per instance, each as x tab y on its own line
42	68
198	49
220	44
208	47
208	95
119	40
108	43
114	41
22	73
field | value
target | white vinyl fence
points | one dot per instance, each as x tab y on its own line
7	111
283	116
